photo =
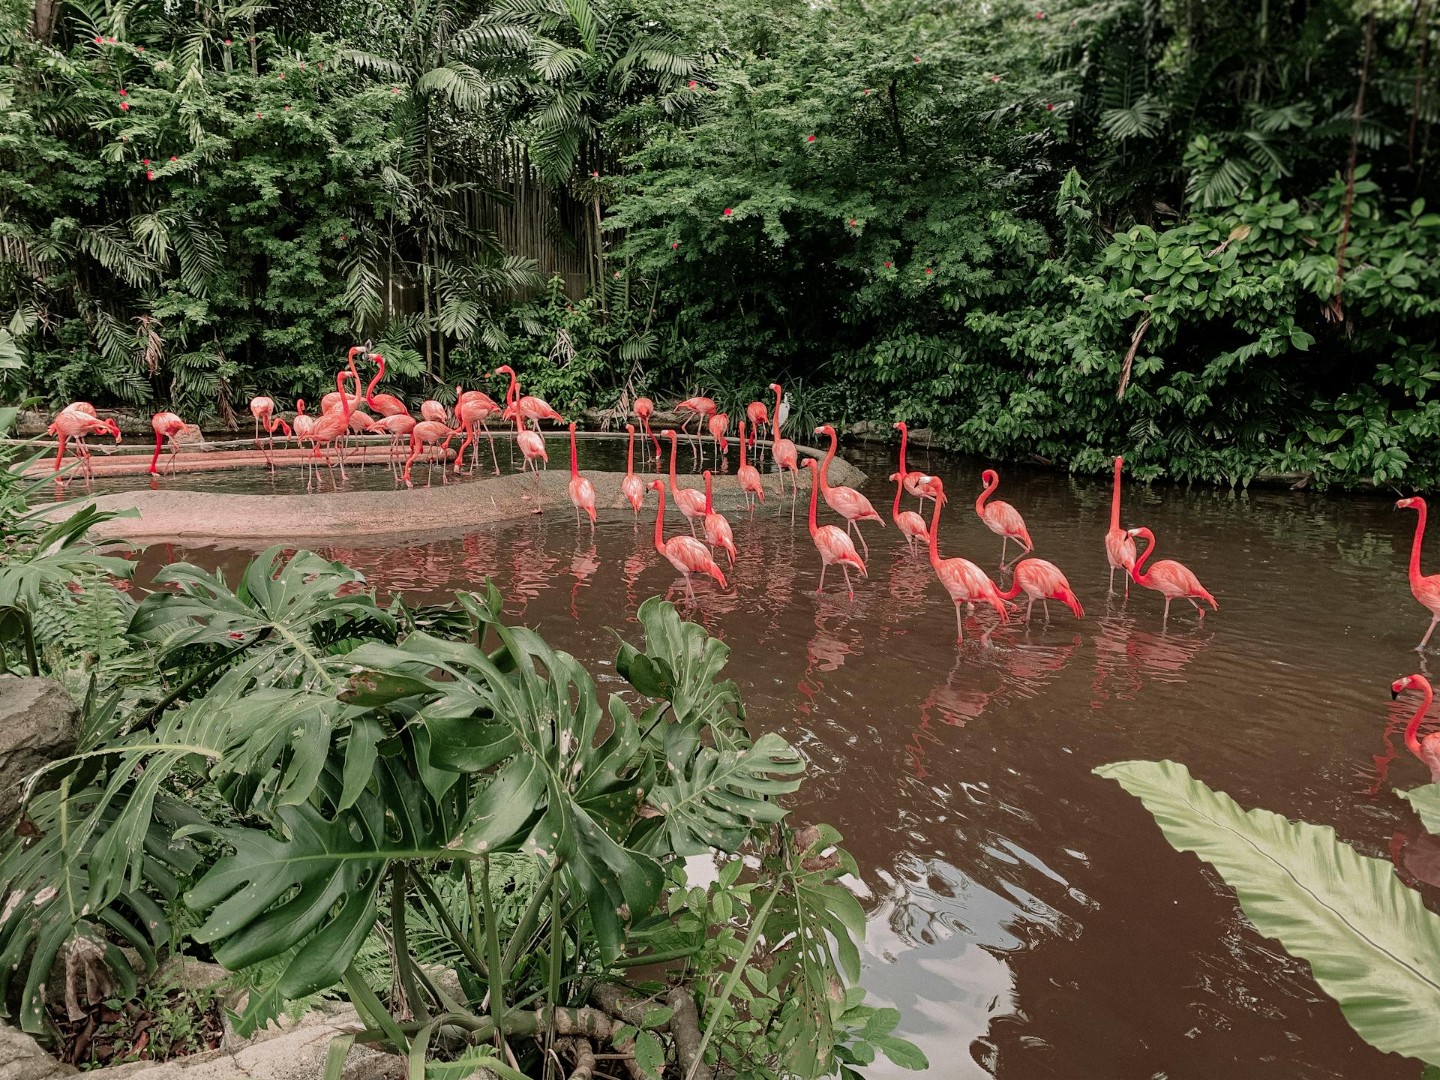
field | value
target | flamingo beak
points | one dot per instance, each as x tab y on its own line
1394	694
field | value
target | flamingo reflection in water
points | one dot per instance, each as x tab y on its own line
583	565
1128	657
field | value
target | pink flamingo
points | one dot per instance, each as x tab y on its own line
263	410
690	502
398	426
1000	517
785	454
361	423
962	579
433	411
427	433
332	426
845	501
531	443
1119	544
528	408
910	524
717	528
1043	581
758	416
331	401
718	425
686	554
644	409
168	426
917	484
833	545
1428	748
582	492
748	475
1425	589
76	421
383	404
632	487
1169	578
471	408
699	408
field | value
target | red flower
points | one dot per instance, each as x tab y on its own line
617	275
287	108
251	40
259	116
928	270
1039	14
124	106
344	237
888	264
145	161
139	48
692	84
728	211
994	78
867	91
674	245
394	90
149	175
809	138
917	59
174	158
1049	107
595	176
99	41
281	75
228	42
122	93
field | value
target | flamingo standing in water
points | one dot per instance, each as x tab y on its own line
686	554
700	409
1428	748
434	412
644	409
383	404
917	484
168	426
962	579
427	433
833	545
759	417
632	487
1425	589
582	492
332	427
910	524
1000	517
527	408
1043	581
748	475
76	421
719	424
263	410
785	454
471	408
331	401
1119	544
717	528
1169	578
398	426
690	502
845	501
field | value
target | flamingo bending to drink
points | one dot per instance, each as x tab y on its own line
1119	544
833	545
962	579
1428	748
1169	578
1425	588
845	501
910	524
748	475
1043	581
632	487
527	408
1000	517
427	433
686	554
76	421
644	409
168	426
759	417
398	426
785	454
582	492
690	502
917	484
433	411
717	528
263	410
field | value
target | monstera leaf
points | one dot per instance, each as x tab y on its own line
1371	943
681	664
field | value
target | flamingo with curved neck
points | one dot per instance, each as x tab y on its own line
384	404
632	487
748	475
1000	517
1428	748
1043	581
1169	578
690	502
1425	589
845	501
917	484
910	524
962	579
717	528
685	553
785	454
644	409
1119	544
833	545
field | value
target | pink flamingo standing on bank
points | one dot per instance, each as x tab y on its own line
700	409
759	417
1000	517
717	528
785	454
76	421
1425	588
1119	544
1428	748
427	434
582	492
962	579
168	426
845	501
690	502
632	487
383	404
644	409
471	408
528	408
1043	581
686	554
1169	578
748	475
718	425
910	524
917	484
833	545
531	443
263	410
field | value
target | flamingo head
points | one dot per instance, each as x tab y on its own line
657	485
112	428
1119	461
1415	503
808	463
989	476
572	427
775	388
826	430
299	406
1409	682
668	434
503	369
630	429
899	425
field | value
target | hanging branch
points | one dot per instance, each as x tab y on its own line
1135	340
1336	309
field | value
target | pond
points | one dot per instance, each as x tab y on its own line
1026	916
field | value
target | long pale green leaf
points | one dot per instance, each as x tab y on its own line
1426	803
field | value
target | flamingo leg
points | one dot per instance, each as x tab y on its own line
1112	581
1426	639
1165	618
848	587
823	567
1029	608
1046	604
493	459
1004	541
959	626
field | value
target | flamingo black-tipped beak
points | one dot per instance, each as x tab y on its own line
1394	694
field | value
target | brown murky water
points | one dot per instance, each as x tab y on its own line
1026	916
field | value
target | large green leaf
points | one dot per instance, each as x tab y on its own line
1426	803
1371	943
682	664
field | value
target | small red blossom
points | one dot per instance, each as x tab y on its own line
174	158
228	42
287	108
728	211
888	264
123	94
281	75
867	91
994	78
251	40
809	138
124	106
145	161
1039	15
617	275
112	41
99	41
1049	107
674	245
149	175
259	116
139	48
237	635
344	237
928	270
692	84
853	223
595	176
917	60
394	90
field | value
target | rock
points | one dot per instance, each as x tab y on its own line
22	1058
38	725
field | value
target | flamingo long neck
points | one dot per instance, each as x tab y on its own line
899	487
513	393
645	423
379	374
904	438
574	461
775	419
1115	497
660	521
673	485
742	444
709	500
1415	574
825	465
980	499
1143	577
1412	730
299	406
934	533
814	497
630	455
346	401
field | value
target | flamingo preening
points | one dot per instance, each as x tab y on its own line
1425	588
962	579
845	501
1043	581
717	527
686	554
1119	544
833	545
331	401
748	475
690	502
632	487
582	492
759	417
644	409
471	408
383	404
1428	748
426	434
718	425
263	410
700	409
1169	578
1000	517
332	427
527	408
